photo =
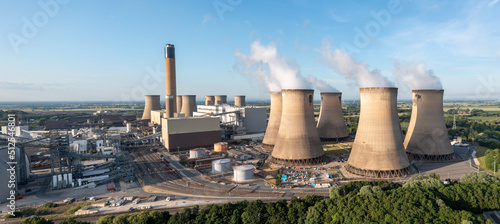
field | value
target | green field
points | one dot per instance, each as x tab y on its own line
335	149
485	119
480	151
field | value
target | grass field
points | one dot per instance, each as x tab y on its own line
336	149
485	119
480	151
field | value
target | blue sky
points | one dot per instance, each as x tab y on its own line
113	50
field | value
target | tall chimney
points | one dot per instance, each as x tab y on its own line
220	99
427	136
170	82
273	125
209	100
239	101
378	150
178	106
331	124
188	105
151	102
298	142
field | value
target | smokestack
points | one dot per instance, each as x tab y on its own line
239	101
220	99
273	125
178	103
170	82
209	100
378	150
188	105
427	136
331	124
298	142
151	102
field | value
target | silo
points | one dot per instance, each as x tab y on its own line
151	102
298	142
221	166
170	81
239	101
331	124
220	99
243	173
188	105
209	100
220	147
378	150
427	136
197	153
273	124
179	104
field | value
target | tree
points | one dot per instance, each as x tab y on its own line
481	177
36	220
108	219
434	175
365	190
72	220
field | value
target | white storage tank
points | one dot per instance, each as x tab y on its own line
243	173
221	166
197	153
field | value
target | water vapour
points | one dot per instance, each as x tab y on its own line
414	75
321	85
346	66
269	68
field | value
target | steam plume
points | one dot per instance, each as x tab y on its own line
414	75
321	85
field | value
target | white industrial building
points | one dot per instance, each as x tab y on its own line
249	120
20	131
80	146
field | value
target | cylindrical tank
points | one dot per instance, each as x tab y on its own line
331	124
378	150
179	104
170	81
151	102
239	101
209	100
273	125
220	99
188	105
243	173
220	147
298	143
197	153
221	166
427	136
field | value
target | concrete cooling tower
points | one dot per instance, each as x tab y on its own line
273	125
239	101
378	150
331	124
209	100
427	137
220	99
188	105
170	82
152	102
298	142
178	104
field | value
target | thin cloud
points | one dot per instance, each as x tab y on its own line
337	18
206	19
492	3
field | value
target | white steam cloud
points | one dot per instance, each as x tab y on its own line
321	85
414	75
270	69
346	66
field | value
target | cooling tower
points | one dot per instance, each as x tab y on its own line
427	137
178	106
170	82
209	100
239	101
378	150
273	125
152	102
331	125
297	143
220	99
188	105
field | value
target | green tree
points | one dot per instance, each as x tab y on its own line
36	220
108	219
72	220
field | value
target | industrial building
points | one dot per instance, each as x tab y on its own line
151	102
378	150
4	174
273	124
427	136
243	120
331	125
191	132
297	143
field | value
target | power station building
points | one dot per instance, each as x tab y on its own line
189	133
246	120
331	124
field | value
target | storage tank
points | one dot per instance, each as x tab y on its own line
427	136
188	105
220	99
378	150
331	124
209	100
273	125
151	102
197	153
298	143
221	166
239	101
220	147
243	173
178	104
170	81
